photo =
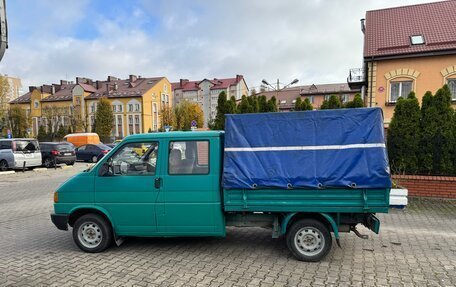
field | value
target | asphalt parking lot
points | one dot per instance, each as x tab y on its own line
416	247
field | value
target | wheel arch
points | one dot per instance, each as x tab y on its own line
324	218
83	210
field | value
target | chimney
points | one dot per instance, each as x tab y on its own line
98	84
31	88
132	78
79	80
182	82
363	26
56	87
112	79
52	89
63	82
238	78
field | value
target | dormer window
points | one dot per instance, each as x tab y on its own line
417	39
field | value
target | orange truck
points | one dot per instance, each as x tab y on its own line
79	139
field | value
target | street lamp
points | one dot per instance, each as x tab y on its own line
277	89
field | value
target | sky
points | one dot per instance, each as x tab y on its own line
315	41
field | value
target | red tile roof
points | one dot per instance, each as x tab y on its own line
25	98
87	87
124	88
64	94
186	85
388	30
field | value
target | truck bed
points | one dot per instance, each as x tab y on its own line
307	200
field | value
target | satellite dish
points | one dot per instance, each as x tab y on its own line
3	29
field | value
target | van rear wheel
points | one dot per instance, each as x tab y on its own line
92	233
309	240
3	165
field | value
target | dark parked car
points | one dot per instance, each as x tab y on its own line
91	152
53	153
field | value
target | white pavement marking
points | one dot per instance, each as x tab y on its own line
7	172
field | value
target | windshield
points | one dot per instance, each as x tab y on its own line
26	146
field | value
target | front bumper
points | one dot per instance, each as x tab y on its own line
60	221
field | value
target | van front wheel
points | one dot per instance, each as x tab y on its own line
309	240
92	233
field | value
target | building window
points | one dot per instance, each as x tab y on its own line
155	116
327	97
119	108
452	86
136	107
130	124
400	89
137	125
92	123
344	98
130	107
119	126
311	99
114	108
417	39
36	104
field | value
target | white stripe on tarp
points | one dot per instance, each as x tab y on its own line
316	147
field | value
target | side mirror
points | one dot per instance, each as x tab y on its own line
103	170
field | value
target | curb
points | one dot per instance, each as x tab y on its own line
7	172
66	166
38	169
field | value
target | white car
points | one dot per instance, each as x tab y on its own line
18	153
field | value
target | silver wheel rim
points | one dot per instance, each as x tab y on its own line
309	241
89	234
47	162
3	165
94	159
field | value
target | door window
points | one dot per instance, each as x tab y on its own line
188	157
134	159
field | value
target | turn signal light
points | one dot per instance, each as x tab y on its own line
56	197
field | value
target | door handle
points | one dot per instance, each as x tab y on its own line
157	182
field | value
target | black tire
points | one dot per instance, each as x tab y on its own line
71	163
309	240
48	162
92	233
94	159
3	165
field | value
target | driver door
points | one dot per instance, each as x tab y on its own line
127	188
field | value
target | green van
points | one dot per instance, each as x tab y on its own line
173	188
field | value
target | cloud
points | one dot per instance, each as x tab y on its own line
314	41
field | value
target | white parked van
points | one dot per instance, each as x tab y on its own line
18	153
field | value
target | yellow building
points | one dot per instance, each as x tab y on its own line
404	52
136	104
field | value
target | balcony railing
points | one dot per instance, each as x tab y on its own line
356	78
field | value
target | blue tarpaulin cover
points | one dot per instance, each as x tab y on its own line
342	148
